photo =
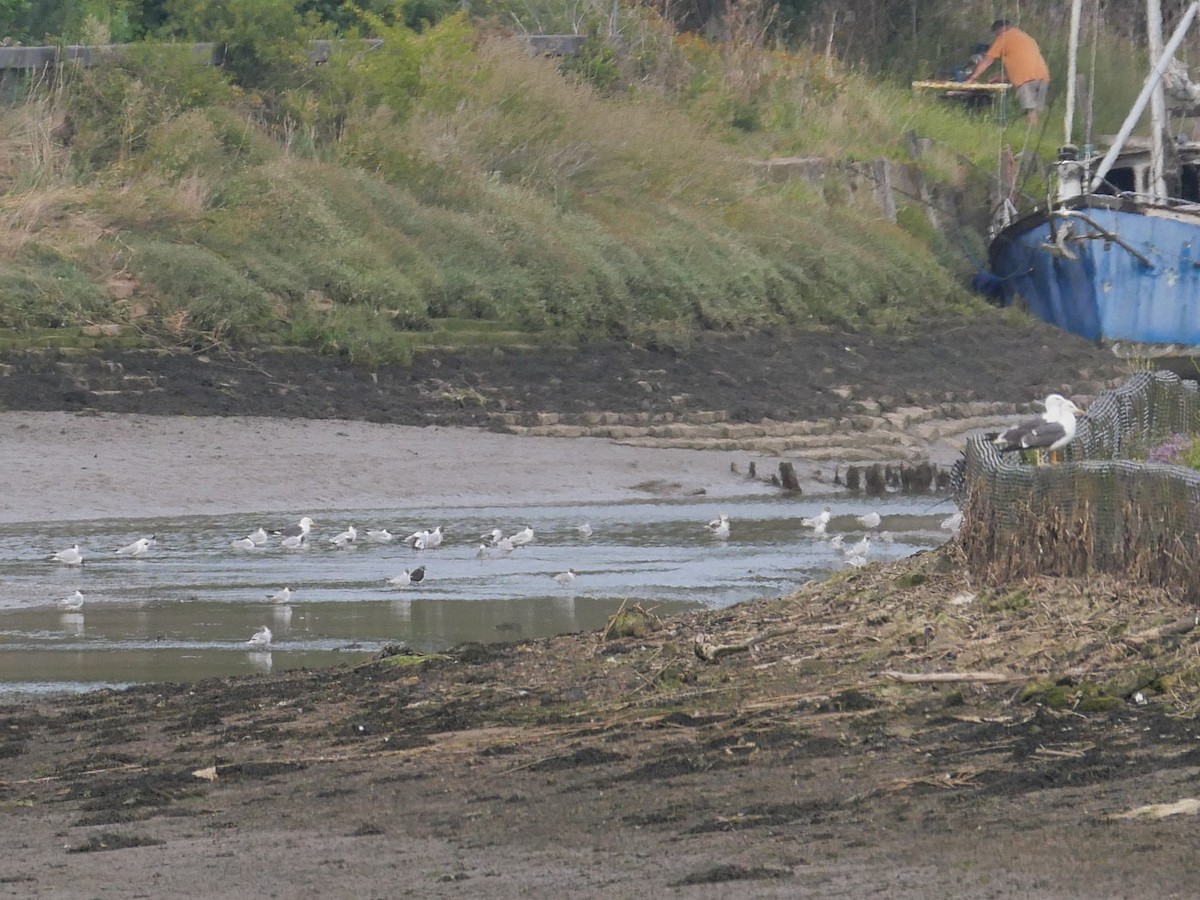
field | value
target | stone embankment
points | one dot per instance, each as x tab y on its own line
909	434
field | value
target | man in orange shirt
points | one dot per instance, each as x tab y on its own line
1022	60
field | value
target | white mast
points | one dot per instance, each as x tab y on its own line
1139	105
1158	103
1072	66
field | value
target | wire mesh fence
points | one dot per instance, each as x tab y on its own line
1106	508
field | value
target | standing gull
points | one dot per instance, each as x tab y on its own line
281	596
870	520
565	579
417	575
493	537
585	530
402	580
720	527
258	537
73	603
300	529
260	639
819	521
71	556
138	547
346	538
522	537
1051	431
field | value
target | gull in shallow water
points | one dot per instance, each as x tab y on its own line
417	575
426	540
346	538
245	543
585	530
566	579
720	527
380	535
294	541
73	603
870	520
258	537
300	529
820	520
952	522
493	537
860	549
281	596
522	537
261	638
71	556
402	580
138	547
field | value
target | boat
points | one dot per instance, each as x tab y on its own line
1114	256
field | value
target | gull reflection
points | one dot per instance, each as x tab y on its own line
282	615
72	623
261	660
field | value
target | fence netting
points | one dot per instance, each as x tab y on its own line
1105	507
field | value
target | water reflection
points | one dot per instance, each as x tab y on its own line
184	609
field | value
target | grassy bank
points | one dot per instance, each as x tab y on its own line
449	188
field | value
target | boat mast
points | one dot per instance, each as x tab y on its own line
1139	105
1072	68
1158	103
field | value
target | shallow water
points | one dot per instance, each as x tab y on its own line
185	610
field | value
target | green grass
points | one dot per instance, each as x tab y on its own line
451	178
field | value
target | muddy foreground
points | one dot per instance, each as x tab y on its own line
795	761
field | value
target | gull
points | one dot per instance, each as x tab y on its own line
426	540
482	552
294	541
870	520
856	561
417	575
261	638
492	537
952	522
381	535
819	529
401	580
505	545
585	530
258	537
300	529
245	543
71	556
859	549
1051	431
522	537
281	596
820	519
346	538
836	541
73	603
564	579
720	527
138	547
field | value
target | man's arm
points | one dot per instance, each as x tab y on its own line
979	70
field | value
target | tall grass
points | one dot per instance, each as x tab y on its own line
449	175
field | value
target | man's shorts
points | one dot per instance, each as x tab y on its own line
1032	95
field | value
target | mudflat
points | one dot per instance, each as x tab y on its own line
898	731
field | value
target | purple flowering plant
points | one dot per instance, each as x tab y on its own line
1177	449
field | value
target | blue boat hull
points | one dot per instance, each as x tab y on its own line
1106	269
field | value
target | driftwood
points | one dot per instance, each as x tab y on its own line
710	652
947	677
1182	626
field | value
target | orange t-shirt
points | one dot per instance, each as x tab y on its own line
1021	57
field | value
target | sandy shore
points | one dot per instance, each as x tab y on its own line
67	466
